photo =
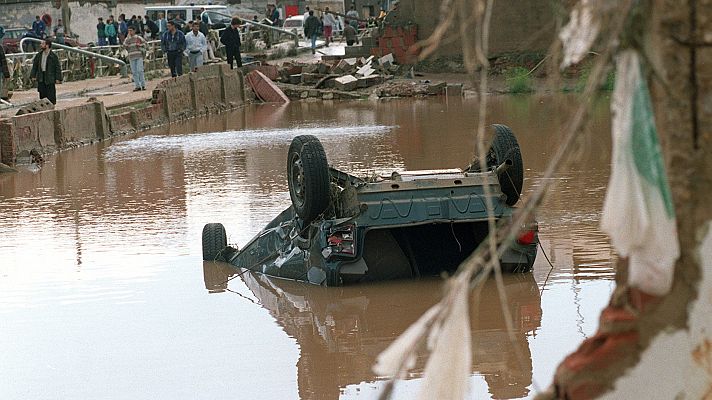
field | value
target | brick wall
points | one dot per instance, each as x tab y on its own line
515	27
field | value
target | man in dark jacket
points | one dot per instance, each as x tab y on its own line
173	45
231	39
46	71
311	29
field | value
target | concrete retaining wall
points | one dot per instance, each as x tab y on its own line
213	88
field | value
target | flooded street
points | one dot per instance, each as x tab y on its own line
103	293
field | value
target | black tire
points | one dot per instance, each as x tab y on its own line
214	242
308	177
505	147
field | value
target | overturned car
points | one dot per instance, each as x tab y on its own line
343	229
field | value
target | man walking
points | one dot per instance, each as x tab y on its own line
196	43
135	45
329	24
231	39
173	45
311	29
46	71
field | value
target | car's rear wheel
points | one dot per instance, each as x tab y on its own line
214	242
505	148
308	177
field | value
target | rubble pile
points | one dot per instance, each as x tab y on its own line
344	74
348	78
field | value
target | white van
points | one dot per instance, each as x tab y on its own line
191	13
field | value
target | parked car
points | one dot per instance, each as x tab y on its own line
344	229
11	39
13	36
295	22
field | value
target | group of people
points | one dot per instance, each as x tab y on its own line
42	29
313	27
175	43
114	32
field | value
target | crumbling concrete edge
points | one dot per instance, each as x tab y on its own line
174	99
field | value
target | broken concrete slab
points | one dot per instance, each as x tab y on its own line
310	79
346	83
295	79
366	70
309	68
369	81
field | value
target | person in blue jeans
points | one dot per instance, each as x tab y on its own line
311	29
173	45
135	45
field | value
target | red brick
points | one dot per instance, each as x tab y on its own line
600	351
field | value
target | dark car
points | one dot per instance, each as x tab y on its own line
343	229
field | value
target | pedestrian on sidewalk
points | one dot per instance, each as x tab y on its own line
5	71
151	28
196	44
329	24
162	26
350	34
59	32
231	39
135	45
38	27
46	71
111	32
123	28
173	45
311	29
352	17
101	32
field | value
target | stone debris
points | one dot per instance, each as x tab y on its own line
332	78
346	82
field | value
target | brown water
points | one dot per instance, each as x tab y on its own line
103	293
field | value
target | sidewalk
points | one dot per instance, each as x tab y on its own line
111	90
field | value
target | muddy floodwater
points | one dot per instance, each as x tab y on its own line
103	293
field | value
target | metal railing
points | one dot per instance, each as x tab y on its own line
122	64
84	63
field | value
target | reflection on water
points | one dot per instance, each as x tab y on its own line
341	331
101	293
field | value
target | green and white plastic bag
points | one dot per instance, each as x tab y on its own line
638	212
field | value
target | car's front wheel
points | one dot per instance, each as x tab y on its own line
308	177
214	242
